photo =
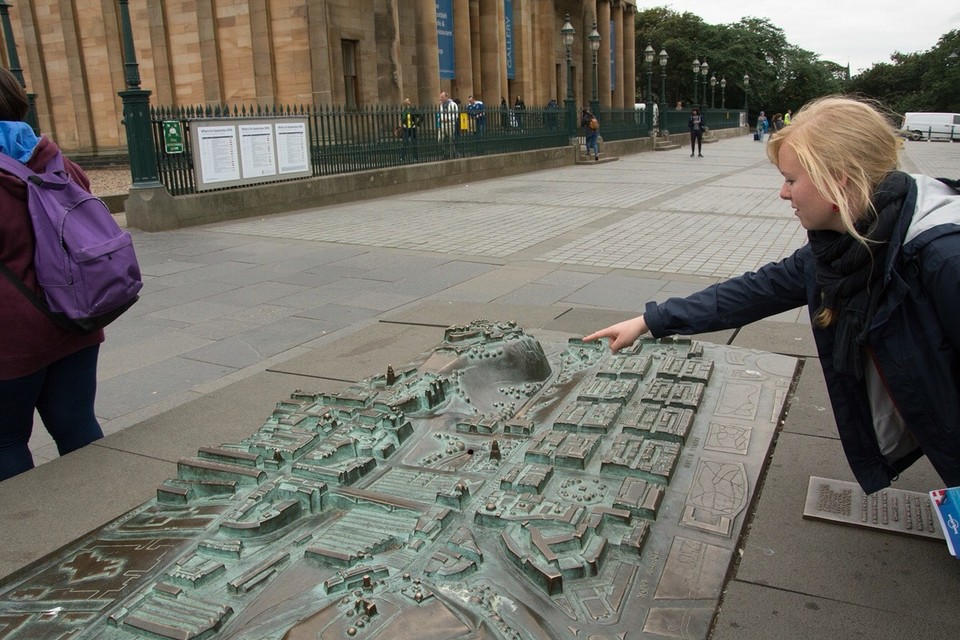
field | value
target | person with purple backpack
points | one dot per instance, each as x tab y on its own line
43	366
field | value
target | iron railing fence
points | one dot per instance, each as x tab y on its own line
350	140
676	120
622	124
345	140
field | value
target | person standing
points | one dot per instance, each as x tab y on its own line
552	109
778	122
410	119
448	123
477	114
43	367
763	125
879	277
591	132
787	116
518	109
696	124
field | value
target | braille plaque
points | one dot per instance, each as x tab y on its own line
892	510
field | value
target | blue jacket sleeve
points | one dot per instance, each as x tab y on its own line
941	265
774	288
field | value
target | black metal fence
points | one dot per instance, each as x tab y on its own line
349	140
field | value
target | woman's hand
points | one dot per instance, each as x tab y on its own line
623	334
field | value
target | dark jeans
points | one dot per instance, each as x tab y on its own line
63	393
591	140
696	139
409	149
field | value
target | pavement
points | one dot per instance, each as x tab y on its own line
235	316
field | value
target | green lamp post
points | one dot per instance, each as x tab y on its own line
567	32
136	112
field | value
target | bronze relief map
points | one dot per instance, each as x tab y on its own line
503	486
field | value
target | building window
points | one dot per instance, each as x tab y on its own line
350	86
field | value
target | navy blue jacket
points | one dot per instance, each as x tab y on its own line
914	337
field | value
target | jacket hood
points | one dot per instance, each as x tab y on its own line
935	204
42	154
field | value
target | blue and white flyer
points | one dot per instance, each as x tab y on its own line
947	506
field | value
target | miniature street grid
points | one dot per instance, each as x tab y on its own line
503	486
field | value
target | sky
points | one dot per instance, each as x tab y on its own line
861	33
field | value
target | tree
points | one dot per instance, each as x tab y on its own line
926	81
782	76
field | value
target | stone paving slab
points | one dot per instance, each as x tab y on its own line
757	612
442	314
810	411
789	338
786	552
225	415
364	353
718	246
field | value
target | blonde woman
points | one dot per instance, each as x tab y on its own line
881	278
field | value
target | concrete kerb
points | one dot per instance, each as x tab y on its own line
154	209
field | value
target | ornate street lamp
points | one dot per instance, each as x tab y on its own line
723	93
703	71
746	86
594	39
713	91
663	85
568	32
648	55
696	77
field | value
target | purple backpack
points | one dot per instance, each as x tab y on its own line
85	263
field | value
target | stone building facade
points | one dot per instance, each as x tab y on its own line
324	52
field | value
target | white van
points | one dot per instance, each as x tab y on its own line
931	126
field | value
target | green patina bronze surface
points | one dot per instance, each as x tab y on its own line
502	487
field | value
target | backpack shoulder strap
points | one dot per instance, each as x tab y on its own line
15	167
34	299
22	171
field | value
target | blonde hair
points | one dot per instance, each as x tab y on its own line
847	147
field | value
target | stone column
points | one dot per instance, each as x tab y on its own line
319	44
262	46
386	20
582	44
475	49
629	57
209	56
492	83
603	56
546	36
462	51
428	61
616	10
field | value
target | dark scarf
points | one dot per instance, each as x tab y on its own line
850	274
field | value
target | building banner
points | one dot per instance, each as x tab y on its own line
508	40
445	39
